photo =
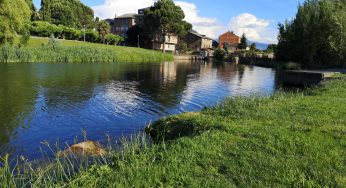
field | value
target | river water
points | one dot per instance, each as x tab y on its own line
57	102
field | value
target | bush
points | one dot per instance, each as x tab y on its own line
219	54
92	36
70	33
45	29
113	39
292	66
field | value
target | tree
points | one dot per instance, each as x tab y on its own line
316	36
103	29
132	36
71	13
219	54
166	18
253	47
271	48
14	18
243	42
33	9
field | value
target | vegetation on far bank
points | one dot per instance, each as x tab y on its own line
316	37
65	51
286	140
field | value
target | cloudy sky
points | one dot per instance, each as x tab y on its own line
258	19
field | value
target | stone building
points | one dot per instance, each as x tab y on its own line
197	42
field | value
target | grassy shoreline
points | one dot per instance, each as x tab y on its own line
287	140
65	51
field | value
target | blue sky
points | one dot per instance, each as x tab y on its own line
256	18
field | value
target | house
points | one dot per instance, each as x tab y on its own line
170	42
197	42
123	23
230	39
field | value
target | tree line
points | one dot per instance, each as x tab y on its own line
67	19
316	36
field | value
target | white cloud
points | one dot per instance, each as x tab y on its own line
204	25
111	7
255	29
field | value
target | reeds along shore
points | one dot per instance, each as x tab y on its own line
54	51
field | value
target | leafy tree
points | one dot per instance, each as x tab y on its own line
219	54
271	48
14	18
316	36
253	47
33	10
182	46
71	13
166	18
103	29
62	15
132	36
243	42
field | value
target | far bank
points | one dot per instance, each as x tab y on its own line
48	50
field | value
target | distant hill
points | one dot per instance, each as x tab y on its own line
260	46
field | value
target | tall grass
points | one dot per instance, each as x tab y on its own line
54	52
58	171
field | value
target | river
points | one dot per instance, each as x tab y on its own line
56	102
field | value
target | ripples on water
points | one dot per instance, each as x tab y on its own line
55	102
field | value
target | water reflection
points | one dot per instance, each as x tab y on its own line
53	102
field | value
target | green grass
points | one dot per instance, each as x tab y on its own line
339	75
65	51
287	140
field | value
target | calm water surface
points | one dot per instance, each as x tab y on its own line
55	102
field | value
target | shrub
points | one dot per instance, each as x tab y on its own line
92	36
219	54
70	33
45	29
113	39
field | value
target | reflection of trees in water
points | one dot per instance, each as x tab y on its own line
28	89
78	83
241	71
17	99
165	83
226	72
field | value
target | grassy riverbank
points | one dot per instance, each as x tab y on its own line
287	140
65	51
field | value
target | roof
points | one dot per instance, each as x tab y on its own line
199	35
229	33
110	21
131	15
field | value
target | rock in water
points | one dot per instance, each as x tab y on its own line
88	148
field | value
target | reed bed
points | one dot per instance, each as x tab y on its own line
57	52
